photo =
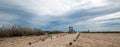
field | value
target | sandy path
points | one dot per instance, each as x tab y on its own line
97	40
63	40
19	41
56	42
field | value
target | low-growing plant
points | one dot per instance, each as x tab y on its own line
19	31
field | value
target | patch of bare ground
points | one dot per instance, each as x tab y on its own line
64	40
97	40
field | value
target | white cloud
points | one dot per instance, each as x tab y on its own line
106	17
49	10
97	22
44	9
56	7
40	21
102	19
6	18
99	2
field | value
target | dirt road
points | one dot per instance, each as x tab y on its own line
98	40
56	42
59	40
63	40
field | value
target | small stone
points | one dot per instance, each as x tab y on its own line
43	39
74	40
70	43
57	36
77	38
30	43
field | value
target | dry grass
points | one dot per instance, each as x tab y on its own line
19	31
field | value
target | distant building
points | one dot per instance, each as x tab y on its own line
71	29
88	30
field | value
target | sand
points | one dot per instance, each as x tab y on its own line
63	40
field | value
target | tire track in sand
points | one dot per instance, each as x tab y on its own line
56	42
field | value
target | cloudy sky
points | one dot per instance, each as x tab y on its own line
96	15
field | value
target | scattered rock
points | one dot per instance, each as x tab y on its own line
30	43
57	36
74	40
43	39
70	43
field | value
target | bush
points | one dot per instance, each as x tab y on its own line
19	31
